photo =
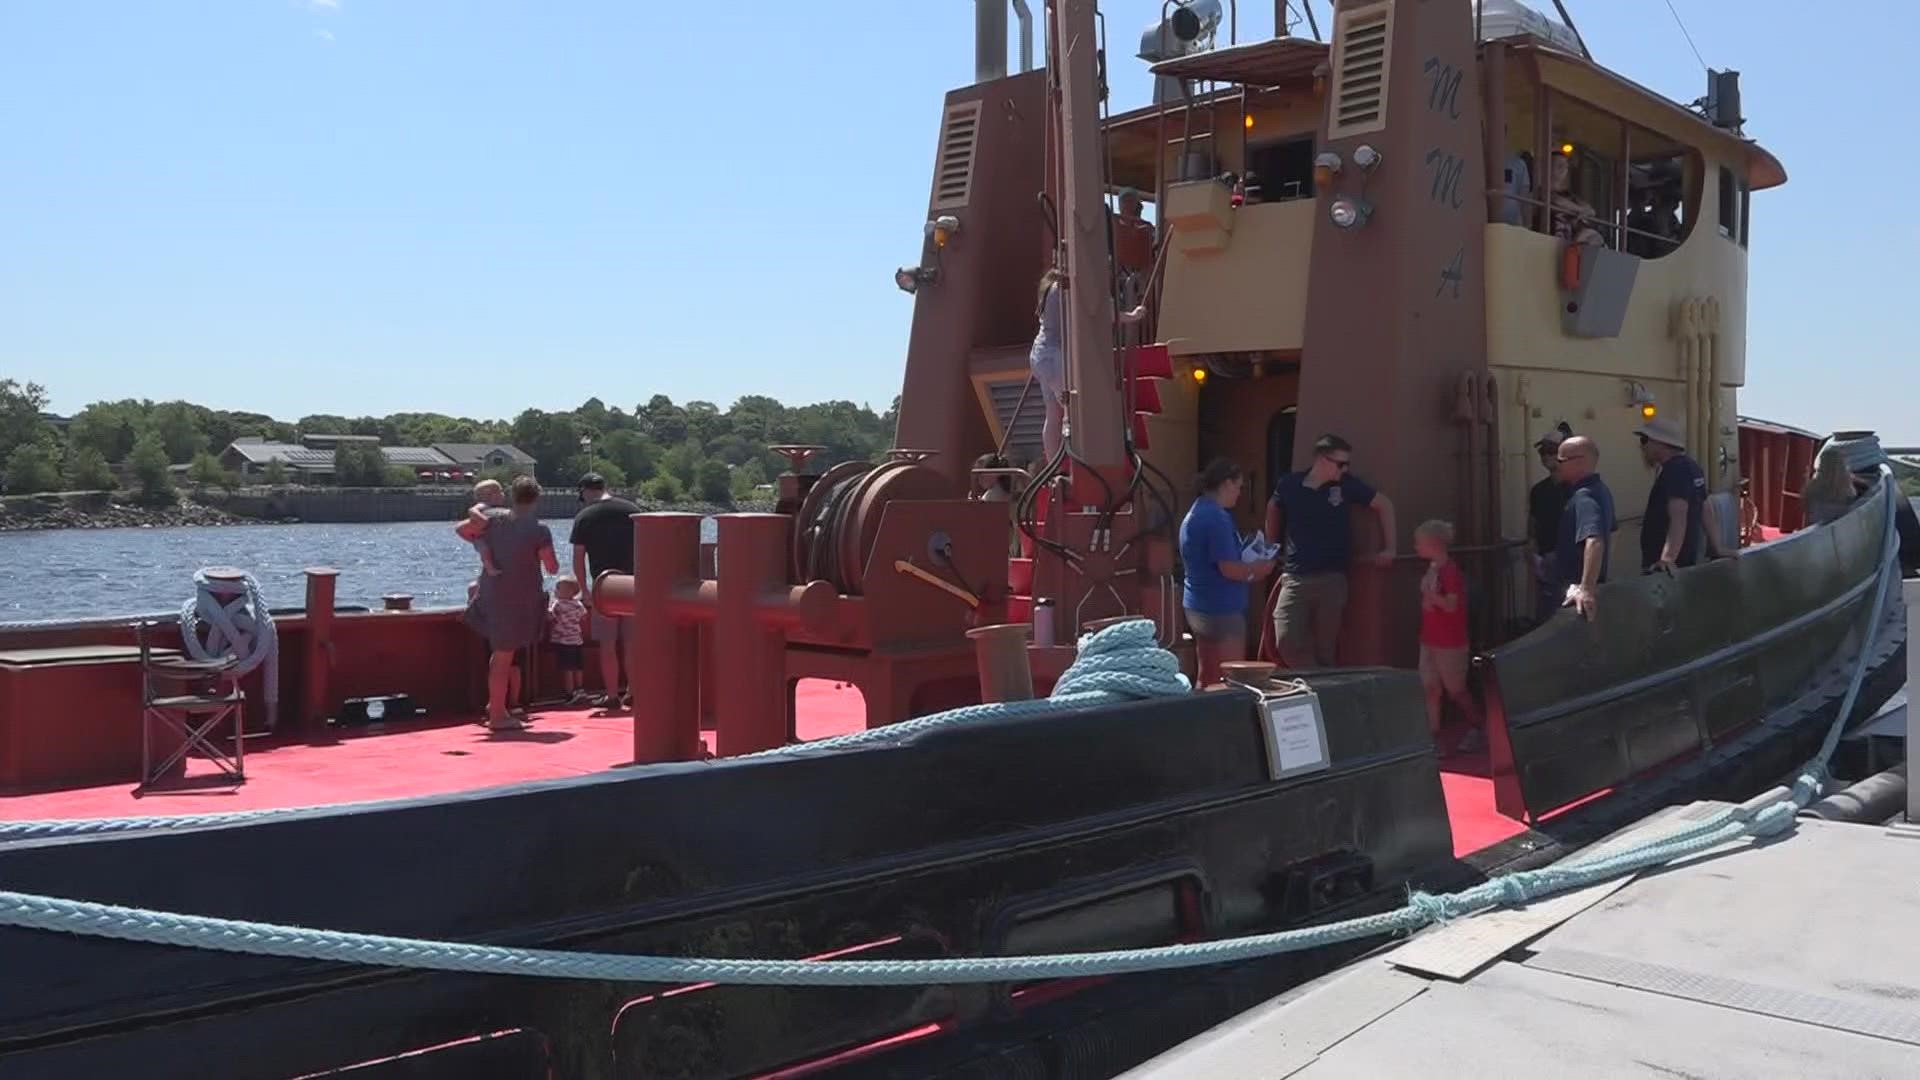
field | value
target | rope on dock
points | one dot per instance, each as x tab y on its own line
1117	666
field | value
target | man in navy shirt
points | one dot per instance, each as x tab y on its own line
1586	525
1672	532
1313	511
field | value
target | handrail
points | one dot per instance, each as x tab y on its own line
1688	668
1551	208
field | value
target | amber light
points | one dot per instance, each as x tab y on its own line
1249	122
1647	411
1567	149
1199	375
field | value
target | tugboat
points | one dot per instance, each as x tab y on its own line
1440	233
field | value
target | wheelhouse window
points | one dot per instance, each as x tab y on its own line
1735	198
1284	168
1605	182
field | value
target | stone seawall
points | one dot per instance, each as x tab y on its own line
251	506
358	505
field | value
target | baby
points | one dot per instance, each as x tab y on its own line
488	495
565	617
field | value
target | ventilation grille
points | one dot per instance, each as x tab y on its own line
1025	444
1360	72
953	173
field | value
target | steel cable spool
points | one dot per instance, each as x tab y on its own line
839	521
814	522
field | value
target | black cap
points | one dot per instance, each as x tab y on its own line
1555	435
592	481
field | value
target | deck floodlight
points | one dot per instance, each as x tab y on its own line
1349	211
909	278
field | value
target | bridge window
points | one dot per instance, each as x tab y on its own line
1605	181
1736	198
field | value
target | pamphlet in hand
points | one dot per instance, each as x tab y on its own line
1259	549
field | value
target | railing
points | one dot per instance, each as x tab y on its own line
1614	228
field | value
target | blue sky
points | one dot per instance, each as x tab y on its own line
365	206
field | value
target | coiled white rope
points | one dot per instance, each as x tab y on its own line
237	624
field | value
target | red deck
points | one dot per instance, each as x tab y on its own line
439	757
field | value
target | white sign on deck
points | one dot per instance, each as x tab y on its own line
1296	735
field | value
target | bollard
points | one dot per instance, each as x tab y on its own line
1001	652
748	613
751	656
1910	589
316	700
1253	673
662	651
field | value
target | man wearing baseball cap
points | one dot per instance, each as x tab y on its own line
1672	531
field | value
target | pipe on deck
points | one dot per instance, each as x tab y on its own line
1869	802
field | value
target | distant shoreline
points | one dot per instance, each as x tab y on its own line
284	506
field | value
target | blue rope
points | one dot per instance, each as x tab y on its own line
1101	676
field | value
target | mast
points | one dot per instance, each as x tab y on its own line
1094	410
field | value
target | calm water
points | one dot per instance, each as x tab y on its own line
85	573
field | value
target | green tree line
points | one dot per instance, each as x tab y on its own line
661	449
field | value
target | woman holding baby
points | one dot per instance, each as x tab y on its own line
509	607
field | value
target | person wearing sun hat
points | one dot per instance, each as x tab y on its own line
1672	531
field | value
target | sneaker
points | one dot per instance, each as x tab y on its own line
508	723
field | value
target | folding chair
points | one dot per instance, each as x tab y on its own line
191	699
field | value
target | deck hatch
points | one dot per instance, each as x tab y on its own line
1362	52
953	174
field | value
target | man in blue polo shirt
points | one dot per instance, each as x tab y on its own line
1312	510
1586	525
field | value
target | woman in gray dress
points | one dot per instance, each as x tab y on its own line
510	607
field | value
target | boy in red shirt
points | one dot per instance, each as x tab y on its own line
1444	651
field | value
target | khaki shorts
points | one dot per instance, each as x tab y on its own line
1306	622
1445	669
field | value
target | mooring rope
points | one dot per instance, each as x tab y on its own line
237	624
1111	671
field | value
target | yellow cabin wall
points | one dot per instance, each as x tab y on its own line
1546	376
1236	280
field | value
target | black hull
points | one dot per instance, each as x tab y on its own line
1132	825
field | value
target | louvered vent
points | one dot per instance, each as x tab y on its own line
1024	445
953	173
1360	71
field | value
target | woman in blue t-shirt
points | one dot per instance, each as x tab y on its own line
1215	596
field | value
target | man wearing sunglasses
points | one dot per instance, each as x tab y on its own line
1312	510
1585	544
